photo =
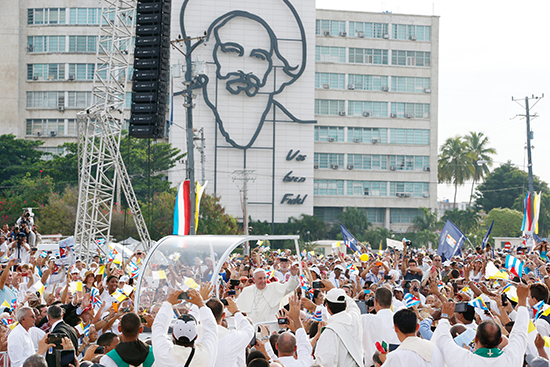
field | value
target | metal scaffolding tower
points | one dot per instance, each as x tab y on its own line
99	131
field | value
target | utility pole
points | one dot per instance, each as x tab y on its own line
244	176
529	135
200	148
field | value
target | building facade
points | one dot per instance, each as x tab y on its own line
376	100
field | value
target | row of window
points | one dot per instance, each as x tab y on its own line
335	107
374	215
59	99
71	16
85	44
370	188
80	72
372	82
372	162
411	32
51	127
372	56
372	135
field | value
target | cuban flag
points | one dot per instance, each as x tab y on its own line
537	309
478	303
182	210
112	255
514	265
349	240
409	300
303	284
132	269
450	241
66	251
94	295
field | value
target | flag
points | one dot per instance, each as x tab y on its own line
112	256
127	289
478	303
182	210
352	268
514	265
94	297
190	282
86	329
349	240
159	275
43	254
450	241
66	251
318	315
303	284
132	269
486	238
538	308
531	327
492	272
409	300
119	295
100	242
199	191
507	287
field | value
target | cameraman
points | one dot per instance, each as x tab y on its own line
20	249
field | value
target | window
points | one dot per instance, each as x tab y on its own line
403	215
328	187
366	188
410	58
45	127
368	82
79	99
367	135
46	16
329	133
409	162
368	30
333	27
330	54
46	44
410	32
84	16
376	215
330	80
329	160
410	110
410	136
49	99
329	107
327	214
81	71
415	189
376	109
45	71
82	43
368	56
409	84
368	161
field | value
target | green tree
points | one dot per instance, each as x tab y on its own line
62	168
308	227
466	220
377	236
355	220
454	164
480	154
213	219
504	185
17	157
507	222
59	214
426	220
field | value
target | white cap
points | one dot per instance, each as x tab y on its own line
339	267
336	295
123	278
185	327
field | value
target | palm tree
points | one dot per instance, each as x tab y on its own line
425	220
454	164
480	155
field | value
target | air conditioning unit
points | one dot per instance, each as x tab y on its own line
61	108
30	48
71	76
361	34
326	86
315	166
426	169
342	113
35	77
334	166
386	36
39	133
402	194
426	194
343	34
393	168
412	38
350	166
53	133
385	89
408	115
331	139
326	33
366	113
351	86
366	191
393	115
427	90
356	140
375	140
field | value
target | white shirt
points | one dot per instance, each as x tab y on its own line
303	352
20	346
400	357
377	328
169	355
512	354
232	343
543	327
36	335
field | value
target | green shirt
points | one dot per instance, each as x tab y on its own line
488	352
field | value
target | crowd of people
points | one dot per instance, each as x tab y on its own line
396	307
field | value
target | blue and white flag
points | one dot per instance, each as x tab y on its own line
486	238
349	240
409	300
450	241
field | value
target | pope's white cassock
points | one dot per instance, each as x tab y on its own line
262	305
415	352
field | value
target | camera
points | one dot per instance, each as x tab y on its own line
100	350
231	292
55	338
317	284
282	321
184	296
234	282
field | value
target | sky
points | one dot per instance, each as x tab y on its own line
489	52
